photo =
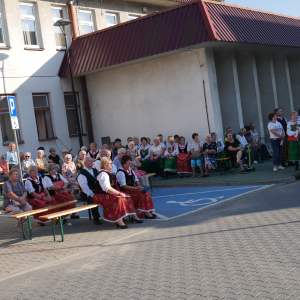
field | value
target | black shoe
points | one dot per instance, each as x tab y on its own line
41	224
297	165
137	221
166	175
64	221
97	222
122	227
75	217
152	217
205	175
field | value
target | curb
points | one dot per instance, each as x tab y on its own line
287	180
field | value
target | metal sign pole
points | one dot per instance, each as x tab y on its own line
18	154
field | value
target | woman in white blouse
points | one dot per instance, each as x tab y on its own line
197	155
26	163
130	184
115	204
156	160
170	156
37	193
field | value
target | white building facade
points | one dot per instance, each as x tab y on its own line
31	51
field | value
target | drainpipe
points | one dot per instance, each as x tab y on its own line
72	18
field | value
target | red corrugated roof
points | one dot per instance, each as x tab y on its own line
178	27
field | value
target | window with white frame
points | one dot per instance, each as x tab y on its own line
2	27
29	24
57	14
87	22
111	19
132	17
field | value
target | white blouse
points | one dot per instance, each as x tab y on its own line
157	150
104	181
175	151
195	145
29	187
289	129
49	183
122	179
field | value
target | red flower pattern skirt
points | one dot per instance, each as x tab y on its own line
142	202
114	208
184	166
62	198
36	205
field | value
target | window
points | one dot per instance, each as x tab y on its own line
2	28
87	24
131	17
29	26
111	19
5	123
71	116
42	116
57	14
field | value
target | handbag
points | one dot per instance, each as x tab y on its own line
16	203
196	156
293	138
145	189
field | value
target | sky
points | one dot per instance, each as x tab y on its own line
285	7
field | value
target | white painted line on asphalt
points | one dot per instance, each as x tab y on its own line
240	188
221	201
164	218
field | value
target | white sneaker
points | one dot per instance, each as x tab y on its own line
281	168
274	169
245	165
255	162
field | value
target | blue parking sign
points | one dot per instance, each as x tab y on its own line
12	106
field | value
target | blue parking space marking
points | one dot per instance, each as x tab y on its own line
173	202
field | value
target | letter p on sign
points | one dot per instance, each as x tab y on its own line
12	106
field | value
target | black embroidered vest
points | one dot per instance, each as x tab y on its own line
113	182
91	180
129	178
183	150
93	155
51	192
36	187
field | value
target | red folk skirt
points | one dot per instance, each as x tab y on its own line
114	208
36	205
142	202
184	166
62	198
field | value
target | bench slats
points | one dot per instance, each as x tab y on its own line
2	212
69	211
40	210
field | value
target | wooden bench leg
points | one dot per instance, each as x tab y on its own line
29	226
61	229
53	228
23	228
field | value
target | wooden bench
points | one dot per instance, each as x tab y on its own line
25	216
53	217
150	181
225	167
2	212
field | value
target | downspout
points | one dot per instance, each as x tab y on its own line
87	109
72	18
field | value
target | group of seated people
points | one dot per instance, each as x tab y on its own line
120	195
176	155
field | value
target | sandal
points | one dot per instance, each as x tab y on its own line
194	176
244	172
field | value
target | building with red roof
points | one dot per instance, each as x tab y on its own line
198	67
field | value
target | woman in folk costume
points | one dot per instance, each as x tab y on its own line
145	154
170	156
294	142
57	184
130	185
184	159
285	150
37	194
93	152
115	204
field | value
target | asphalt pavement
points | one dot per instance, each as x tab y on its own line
244	248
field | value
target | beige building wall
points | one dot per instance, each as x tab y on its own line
164	96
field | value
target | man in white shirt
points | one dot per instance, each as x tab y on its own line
102	153
87	180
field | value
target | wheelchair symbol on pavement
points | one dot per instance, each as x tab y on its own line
192	202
